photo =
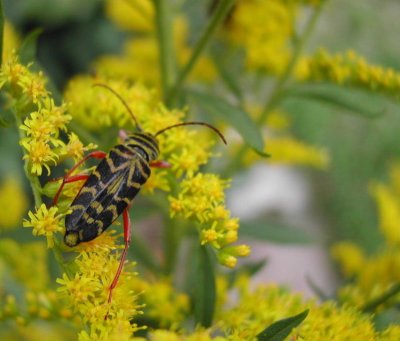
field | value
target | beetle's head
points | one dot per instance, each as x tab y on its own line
71	239
146	142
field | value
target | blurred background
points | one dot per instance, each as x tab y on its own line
314	208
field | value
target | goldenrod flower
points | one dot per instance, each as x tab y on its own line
266	46
75	148
45	222
201	197
40	155
350	256
375	274
349	69
388	203
87	294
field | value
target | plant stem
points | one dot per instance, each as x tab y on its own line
217	18
280	84
171	244
33	180
298	49
165	44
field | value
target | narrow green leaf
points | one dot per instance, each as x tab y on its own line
279	330
316	289
276	233
372	306
352	100
218	108
204	294
27	51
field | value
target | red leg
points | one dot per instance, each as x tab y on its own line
67	178
160	164
127	239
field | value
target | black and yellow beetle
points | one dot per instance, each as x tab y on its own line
110	189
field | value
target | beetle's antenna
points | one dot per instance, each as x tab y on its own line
122	101
193	123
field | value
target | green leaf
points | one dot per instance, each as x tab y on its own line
27	51
277	233
279	330
204	294
354	101
218	108
226	75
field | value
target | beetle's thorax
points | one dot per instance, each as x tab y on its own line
145	142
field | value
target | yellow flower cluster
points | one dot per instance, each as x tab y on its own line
45	222
86	292
374	275
201	197
161	301
13	202
140	59
41	128
349	69
263	29
256	309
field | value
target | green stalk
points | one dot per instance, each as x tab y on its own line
217	18
280	84
1	31
165	43
33	180
298	50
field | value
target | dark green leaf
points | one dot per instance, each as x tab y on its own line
277	233
218	108
204	294
226	75
353	101
279	330
27	51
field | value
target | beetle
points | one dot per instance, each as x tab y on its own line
110	189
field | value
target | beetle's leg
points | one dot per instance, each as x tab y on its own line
67	178
127	239
160	164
